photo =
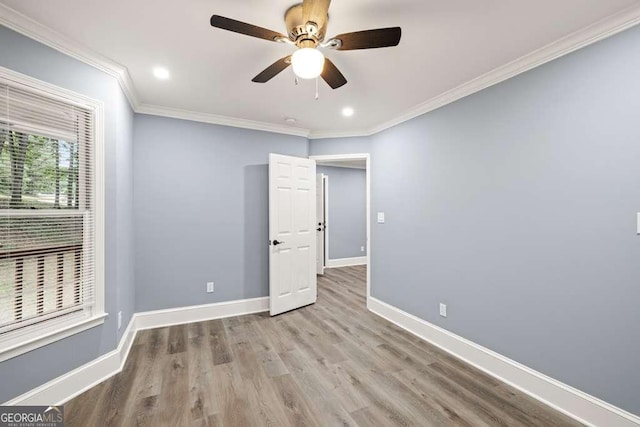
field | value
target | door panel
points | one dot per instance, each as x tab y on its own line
292	261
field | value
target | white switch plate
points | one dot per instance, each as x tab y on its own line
209	287
361	248
380	217
119	320
443	310
638	223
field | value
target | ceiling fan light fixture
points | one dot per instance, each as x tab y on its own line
307	63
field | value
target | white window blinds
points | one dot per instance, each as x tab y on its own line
47	215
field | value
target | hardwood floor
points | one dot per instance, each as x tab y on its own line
332	363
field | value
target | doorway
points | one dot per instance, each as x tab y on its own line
341	242
293	228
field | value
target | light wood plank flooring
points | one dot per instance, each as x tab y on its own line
329	364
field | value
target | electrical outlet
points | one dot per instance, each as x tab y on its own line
443	310
209	287
361	248
119	320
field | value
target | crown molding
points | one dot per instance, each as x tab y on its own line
340	134
176	113
600	30
45	35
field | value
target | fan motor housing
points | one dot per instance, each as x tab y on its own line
303	33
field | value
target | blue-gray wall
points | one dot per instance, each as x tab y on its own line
32	369
347	211
201	210
517	206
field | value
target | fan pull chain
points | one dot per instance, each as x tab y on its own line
317	95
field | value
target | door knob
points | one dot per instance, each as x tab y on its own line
319	228
276	243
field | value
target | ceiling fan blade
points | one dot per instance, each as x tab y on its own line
315	11
369	39
332	75
244	28
272	70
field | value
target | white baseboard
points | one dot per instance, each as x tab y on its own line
65	387
198	313
346	262
73	383
581	406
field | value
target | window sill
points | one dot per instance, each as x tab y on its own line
47	334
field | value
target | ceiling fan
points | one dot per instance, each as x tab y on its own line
306	28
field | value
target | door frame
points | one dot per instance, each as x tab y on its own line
325	190
367	158
323	226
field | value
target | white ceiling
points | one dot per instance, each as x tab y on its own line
445	43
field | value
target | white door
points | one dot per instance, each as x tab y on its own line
292	244
320	223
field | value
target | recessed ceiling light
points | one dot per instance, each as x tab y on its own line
347	111
161	73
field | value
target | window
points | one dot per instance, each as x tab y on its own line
50	214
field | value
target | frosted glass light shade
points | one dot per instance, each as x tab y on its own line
307	63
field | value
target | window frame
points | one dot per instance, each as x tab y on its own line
46	332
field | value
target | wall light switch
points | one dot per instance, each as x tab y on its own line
361	248
443	310
209	287
380	217
638	223
119	320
